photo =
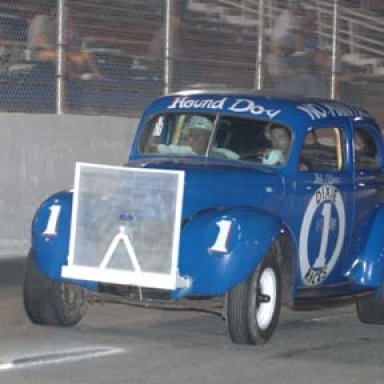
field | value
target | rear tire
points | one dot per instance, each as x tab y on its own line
370	310
50	302
253	306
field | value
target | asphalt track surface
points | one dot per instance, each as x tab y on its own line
121	344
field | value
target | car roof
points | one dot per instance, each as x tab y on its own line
293	111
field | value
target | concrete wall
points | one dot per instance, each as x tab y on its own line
37	158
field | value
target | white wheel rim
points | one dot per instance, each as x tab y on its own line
267	286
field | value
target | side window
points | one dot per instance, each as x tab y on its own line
323	151
365	148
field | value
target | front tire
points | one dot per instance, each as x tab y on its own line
50	302
253	306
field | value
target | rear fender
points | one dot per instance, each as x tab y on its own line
50	236
219	249
368	269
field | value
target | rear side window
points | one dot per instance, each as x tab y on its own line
323	151
365	149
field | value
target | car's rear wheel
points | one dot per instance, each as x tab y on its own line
253	306
370	310
50	302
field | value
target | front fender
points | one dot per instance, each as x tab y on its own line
219	249
368	269
50	236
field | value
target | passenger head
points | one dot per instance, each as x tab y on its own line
280	138
199	131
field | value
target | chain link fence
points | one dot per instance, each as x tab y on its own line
118	55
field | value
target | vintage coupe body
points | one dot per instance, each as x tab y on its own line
256	200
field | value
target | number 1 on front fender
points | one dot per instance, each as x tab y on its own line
222	238
51	228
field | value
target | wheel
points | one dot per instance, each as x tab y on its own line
253	306
50	302
370	310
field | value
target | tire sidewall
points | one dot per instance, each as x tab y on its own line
255	332
45	301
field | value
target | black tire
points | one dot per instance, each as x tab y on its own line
253	306
370	310
50	302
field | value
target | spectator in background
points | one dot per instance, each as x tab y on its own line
282	40
41	37
42	43
286	22
294	61
155	54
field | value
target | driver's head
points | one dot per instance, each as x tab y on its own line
198	133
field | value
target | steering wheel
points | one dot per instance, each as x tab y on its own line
255	156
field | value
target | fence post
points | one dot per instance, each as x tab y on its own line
260	48
60	63
334	47
168	49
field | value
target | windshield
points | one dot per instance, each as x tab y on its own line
228	137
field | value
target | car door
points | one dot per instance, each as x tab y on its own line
322	212
369	180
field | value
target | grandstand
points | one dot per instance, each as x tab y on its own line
219	47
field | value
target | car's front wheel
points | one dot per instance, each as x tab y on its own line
50	302
253	306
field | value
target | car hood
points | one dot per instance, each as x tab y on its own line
210	185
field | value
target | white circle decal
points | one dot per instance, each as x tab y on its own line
327	199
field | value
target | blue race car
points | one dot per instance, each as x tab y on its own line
230	201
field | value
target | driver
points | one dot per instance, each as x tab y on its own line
198	134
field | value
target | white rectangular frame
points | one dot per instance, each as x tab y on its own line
115	276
